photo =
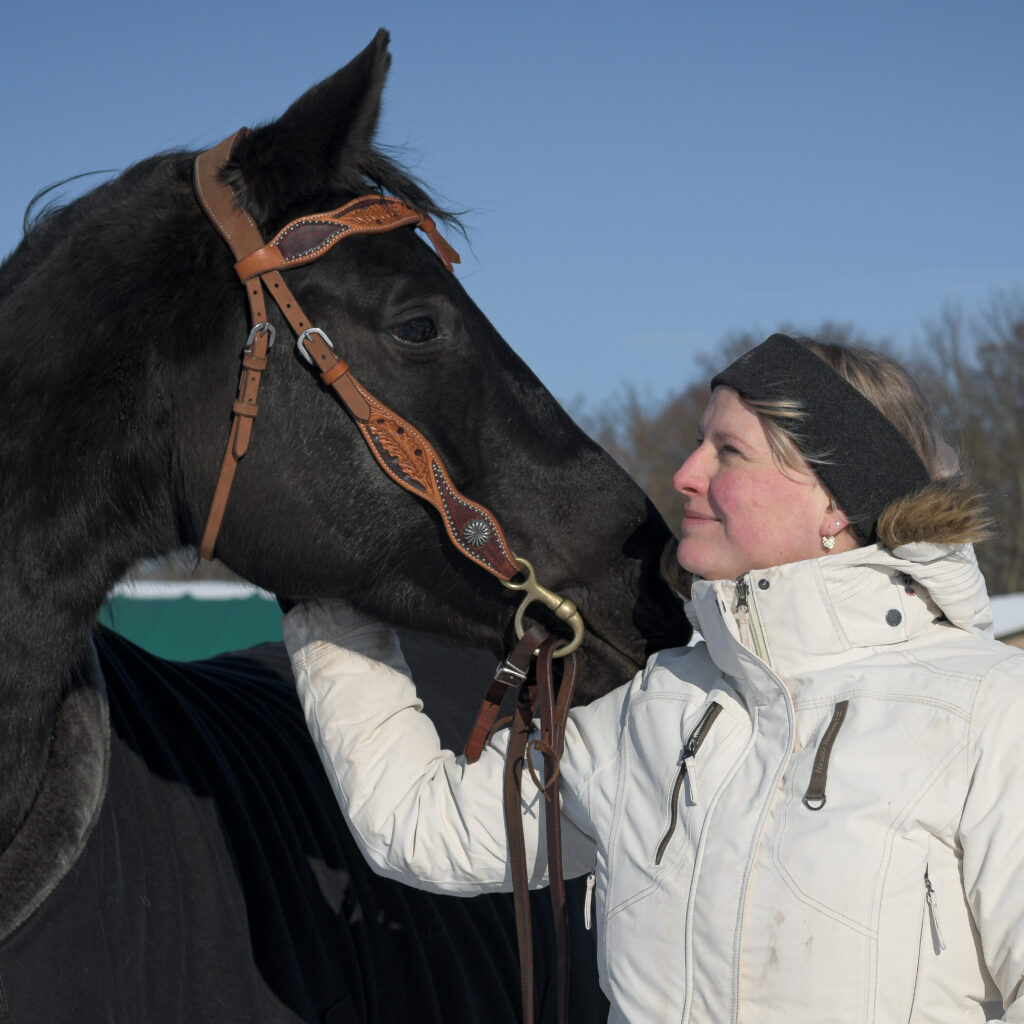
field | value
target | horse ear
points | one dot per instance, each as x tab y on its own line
320	145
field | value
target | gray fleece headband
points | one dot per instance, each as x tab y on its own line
871	462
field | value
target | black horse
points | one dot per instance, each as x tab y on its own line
169	849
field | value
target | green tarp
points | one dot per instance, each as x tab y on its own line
187	621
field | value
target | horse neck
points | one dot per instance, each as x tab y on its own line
73	525
52	583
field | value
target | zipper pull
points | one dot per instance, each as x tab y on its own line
743	614
690	763
933	909
690	748
588	900
814	798
692	745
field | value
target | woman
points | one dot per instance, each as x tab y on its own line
813	815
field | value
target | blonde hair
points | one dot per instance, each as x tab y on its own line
949	510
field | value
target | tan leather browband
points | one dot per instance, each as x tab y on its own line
308	238
399	448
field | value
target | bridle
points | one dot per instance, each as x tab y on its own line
410	460
399	448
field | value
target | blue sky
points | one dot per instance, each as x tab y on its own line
640	179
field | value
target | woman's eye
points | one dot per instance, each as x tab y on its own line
416	331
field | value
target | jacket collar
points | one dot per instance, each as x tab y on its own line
803	616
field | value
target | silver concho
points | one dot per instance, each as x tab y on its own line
477	532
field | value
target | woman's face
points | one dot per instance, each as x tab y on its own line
741	511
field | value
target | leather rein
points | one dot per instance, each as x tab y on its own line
410	460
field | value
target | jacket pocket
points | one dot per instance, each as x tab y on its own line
923	930
930	941
645	895
874	787
655	823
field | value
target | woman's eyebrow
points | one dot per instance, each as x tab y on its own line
719	434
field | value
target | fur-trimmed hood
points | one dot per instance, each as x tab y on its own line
948	512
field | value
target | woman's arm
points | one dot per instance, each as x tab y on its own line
420	814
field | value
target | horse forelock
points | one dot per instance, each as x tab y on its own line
279	191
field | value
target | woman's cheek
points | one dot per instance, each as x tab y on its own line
732	498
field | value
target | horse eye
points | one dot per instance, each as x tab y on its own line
416	331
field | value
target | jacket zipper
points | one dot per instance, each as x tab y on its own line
751	635
686	768
933	910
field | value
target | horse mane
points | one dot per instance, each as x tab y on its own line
376	171
103	204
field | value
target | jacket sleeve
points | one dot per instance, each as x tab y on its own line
992	830
419	814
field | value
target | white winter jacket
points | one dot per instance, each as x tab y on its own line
728	887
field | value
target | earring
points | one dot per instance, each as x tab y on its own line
828	542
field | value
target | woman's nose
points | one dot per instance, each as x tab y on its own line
690	477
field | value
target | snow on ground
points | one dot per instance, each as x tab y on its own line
1008	614
202	590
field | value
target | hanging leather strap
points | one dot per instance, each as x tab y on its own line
512	673
553	714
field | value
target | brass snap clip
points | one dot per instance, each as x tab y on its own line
563	608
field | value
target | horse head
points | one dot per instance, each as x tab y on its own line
312	513
122	323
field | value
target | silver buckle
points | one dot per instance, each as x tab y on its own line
509	674
263	328
300	343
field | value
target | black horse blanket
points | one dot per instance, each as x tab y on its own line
219	881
